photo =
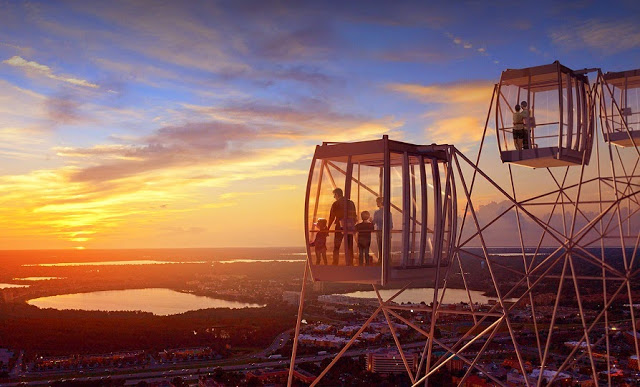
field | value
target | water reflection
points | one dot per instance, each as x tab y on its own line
112	263
260	260
162	302
417	295
37	278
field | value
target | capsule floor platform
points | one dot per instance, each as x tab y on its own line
372	274
352	274
622	138
542	157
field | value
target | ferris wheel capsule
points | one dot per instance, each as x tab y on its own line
544	116
620	109
380	211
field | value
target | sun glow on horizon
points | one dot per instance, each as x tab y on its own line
212	147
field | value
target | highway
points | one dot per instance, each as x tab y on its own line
192	369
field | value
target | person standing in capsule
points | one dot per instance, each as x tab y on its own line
343	212
320	241
377	223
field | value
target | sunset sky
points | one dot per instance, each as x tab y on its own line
192	123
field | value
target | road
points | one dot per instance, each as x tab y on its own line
192	370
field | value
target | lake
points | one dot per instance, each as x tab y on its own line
112	263
138	262
416	295
159	301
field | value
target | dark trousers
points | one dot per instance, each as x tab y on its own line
337	241
379	241
321	254
363	254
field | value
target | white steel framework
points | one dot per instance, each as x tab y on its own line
567	295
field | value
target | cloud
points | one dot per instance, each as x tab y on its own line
459	42
418	55
433	49
21	134
457	130
450	93
609	37
19	106
309	41
303	74
26	51
184	230
307	119
64	108
456	110
168	175
468	45
168	147
36	67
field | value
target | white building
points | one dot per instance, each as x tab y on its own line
291	298
385	361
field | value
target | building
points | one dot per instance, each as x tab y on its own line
513	363
280	375
631	336
633	363
550	374
476	381
323	328
370	337
181	354
202	382
384	327
582	345
517	379
291	297
455	365
325	341
348	330
390	362
340	299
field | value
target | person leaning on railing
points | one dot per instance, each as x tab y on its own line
518	128
527	129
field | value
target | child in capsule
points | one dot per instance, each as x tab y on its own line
320	242
364	230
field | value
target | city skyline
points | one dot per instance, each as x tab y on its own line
145	124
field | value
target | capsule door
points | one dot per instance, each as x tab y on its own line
421	208
556	126
620	108
340	209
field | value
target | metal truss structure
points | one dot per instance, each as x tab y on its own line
567	295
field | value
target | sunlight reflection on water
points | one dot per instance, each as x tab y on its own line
159	301
416	295
112	263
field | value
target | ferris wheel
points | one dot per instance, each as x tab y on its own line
558	251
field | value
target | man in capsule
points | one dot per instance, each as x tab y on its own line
526	125
518	128
343	212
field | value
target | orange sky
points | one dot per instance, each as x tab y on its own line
193	125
